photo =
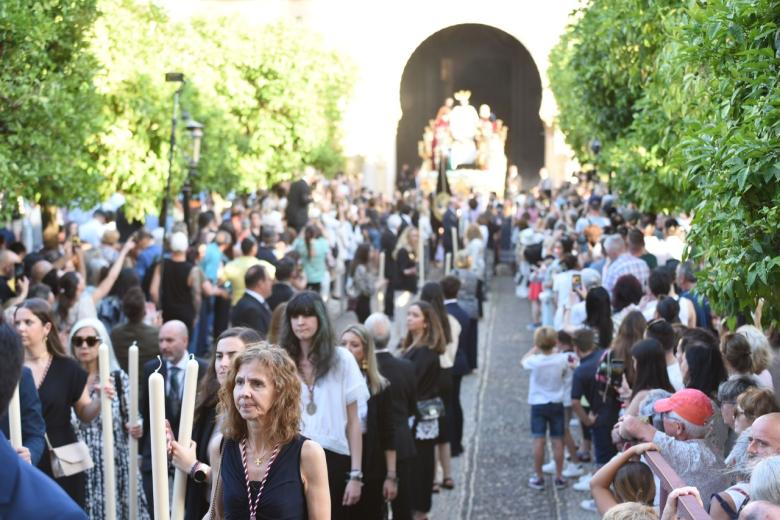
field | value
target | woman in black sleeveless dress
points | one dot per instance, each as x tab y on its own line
268	471
61	384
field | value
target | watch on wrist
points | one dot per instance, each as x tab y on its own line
197	473
355	474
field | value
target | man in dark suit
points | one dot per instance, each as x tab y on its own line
450	285
282	291
403	395
388	241
252	310
25	492
173	349
265	251
450	222
33	426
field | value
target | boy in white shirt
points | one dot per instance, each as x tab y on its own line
545	395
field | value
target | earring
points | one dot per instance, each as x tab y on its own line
364	365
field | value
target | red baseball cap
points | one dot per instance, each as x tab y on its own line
690	404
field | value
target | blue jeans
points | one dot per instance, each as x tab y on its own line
544	415
602	443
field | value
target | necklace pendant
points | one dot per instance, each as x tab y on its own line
259	461
311	408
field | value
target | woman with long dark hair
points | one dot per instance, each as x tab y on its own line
599	315
206	432
376	418
432	293
360	282
332	388
649	361
267	466
423	344
61	384
632	329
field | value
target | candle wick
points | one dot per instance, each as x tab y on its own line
157	370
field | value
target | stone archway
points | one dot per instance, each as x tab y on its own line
496	68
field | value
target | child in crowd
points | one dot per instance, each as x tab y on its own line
549	370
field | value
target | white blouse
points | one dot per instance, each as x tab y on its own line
341	386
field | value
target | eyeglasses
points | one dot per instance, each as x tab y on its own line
78	341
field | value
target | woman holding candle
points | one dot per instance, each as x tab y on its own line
333	388
61	383
85	337
380	480
207	423
267	467
423	344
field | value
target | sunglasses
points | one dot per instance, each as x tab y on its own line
78	341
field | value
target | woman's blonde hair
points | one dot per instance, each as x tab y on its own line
630	511
760	350
756	402
405	243
285	413
376	382
634	482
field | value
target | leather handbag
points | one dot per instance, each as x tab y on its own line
430	409
69	459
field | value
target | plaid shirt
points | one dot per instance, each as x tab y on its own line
622	265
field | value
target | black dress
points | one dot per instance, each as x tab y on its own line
60	390
175	294
405	282
196	504
283	497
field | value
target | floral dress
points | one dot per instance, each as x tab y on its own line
92	434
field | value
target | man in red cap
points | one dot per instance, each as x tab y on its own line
686	416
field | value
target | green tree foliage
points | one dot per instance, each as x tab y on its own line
697	129
49	109
85	110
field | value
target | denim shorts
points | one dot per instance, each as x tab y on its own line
544	415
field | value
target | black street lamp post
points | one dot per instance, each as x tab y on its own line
196	135
595	147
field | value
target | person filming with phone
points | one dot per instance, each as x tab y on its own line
13	283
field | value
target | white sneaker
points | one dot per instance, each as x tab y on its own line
583	484
549	468
589	505
572	470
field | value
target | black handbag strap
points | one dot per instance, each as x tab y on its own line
120	393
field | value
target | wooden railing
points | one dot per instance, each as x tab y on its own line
687	506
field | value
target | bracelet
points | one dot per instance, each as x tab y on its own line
392	478
355	474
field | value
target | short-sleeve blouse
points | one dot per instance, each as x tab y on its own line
342	385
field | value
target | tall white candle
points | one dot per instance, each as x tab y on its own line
381	273
447	263
15	420
185	435
421	256
132	361
454	241
107	418
159	442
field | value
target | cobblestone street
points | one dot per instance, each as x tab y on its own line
492	475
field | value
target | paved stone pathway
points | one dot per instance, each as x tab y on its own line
492	475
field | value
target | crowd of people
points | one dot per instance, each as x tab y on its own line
293	418
627	351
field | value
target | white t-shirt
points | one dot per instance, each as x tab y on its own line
548	373
342	385
562	287
675	376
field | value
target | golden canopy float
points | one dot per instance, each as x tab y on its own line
466	146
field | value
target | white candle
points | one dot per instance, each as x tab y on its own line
132	361
15	420
454	241
159	442
185	435
107	418
447	263
421	256
381	273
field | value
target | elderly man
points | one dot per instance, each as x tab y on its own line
764	441
621	263
686	415
173	341
403	396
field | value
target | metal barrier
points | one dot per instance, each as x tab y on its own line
687	506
